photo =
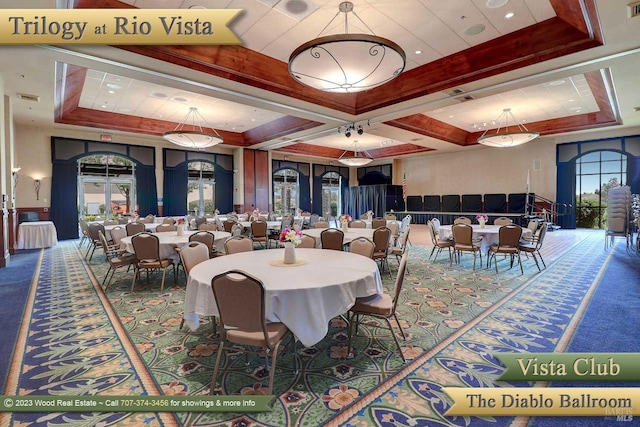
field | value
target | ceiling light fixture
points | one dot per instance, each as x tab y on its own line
503	137
189	133
346	63
359	158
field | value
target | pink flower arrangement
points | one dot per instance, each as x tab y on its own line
181	221
482	218
345	218
290	235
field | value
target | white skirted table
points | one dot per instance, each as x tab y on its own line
304	296
169	240
37	234
351	234
489	233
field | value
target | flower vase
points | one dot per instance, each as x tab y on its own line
180	230
345	227
289	253
482	223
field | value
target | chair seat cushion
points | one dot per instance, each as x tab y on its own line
461	247
155	263
503	249
275	332
374	304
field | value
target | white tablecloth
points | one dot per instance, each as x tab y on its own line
349	236
37	234
271	225
304	297
169	240
489	233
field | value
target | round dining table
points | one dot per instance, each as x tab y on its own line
169	240
489	234
305	296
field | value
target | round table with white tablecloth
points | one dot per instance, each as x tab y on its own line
169	240
349	236
304	296
489	234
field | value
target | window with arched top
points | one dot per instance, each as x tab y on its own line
106	186
285	191
596	173
331	197
201	191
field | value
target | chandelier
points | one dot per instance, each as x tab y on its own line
189	132
359	158
505	138
346	63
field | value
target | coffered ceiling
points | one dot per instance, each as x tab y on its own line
561	66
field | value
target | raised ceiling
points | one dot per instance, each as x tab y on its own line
551	63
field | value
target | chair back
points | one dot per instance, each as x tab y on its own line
111	222
533	226
381	237
228	225
390	216
240	301
146	246
94	228
503	220
200	220
394	226
362	246
307	242
378	222
259	228
358	223
405	238
117	233
164	227
105	244
462	220
400	279
436	224
543	232
208	226
203	236
332	238
321	224
237	244
134	228
509	236
462	234
219	225
169	220
193	254
432	232
237	230
313	219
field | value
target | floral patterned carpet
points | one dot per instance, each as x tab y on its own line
78	339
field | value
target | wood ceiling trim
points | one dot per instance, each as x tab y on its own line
277	129
573	29
312	150
67	93
425	125
398	150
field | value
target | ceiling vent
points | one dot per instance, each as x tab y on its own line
28	97
465	98
634	9
454	92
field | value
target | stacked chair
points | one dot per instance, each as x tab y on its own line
619	219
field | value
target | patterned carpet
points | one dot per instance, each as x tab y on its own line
77	339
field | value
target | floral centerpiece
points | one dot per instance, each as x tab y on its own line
255	215
370	214
180	224
299	212
345	219
482	219
216	212
291	235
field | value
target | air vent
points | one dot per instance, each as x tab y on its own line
636	109
453	92
28	97
634	9
465	98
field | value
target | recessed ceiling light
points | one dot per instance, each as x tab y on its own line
111	91
439	110
556	83
494	4
418	52
104	105
474	30
124	110
180	99
196	6
114	86
509	15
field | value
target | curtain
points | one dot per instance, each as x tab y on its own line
224	189
64	198
305	192
358	200
566	193
147	190
176	181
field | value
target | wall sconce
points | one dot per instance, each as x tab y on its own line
14	173
36	185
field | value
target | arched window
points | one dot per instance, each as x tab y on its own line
106	186
331	196
596	173
285	191
201	192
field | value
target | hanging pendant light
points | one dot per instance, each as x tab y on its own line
502	137
347	63
359	158
189	132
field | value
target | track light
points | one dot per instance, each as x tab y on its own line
347	133
360	130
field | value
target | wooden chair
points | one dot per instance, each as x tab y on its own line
463	242
191	255
378	222
508	243
116	259
358	223
228	225
147	249
259	233
533	247
362	246
134	228
437	243
381	238
205	237
321	224
241	306
237	244
332	238
307	242
381	307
